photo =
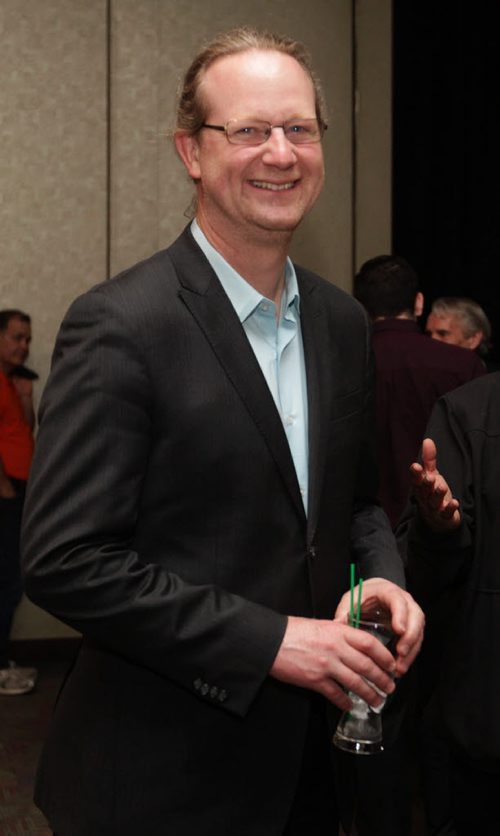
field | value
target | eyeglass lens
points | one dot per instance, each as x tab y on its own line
255	132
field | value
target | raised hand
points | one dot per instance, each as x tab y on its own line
437	506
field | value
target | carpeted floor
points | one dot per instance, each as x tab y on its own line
23	725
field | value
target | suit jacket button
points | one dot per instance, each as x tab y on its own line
204	689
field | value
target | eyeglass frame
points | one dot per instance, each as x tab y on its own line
322	127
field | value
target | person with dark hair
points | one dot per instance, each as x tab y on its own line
387	286
451	537
412	370
203	478
16	450
458	320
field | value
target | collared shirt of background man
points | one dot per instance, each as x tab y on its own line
16	451
203	479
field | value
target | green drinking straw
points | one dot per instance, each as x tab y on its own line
353	569
358	611
354	619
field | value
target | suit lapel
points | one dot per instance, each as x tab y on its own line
205	298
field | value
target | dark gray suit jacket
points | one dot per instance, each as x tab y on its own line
164	521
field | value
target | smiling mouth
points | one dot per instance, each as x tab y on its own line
273	187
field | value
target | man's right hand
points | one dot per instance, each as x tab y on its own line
438	509
330	656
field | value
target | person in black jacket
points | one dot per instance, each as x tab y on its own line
453	566
202	481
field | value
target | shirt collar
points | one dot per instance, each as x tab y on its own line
392	323
243	297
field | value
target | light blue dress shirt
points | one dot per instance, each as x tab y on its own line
278	347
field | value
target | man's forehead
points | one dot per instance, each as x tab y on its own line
445	321
17	325
251	59
255	73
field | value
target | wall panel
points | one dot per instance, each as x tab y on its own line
52	174
152	43
89	181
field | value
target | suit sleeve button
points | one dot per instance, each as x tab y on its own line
222	695
204	689
214	691
197	684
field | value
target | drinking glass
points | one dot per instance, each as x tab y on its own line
359	730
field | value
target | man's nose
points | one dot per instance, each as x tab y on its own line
278	150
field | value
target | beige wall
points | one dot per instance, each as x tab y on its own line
373	130
52	174
55	227
150	45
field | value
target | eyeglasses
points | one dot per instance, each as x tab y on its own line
256	132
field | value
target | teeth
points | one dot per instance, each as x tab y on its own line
273	187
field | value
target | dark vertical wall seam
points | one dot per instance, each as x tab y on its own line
108	139
354	134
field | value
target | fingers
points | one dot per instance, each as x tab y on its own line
335	694
410	642
406	617
432	493
363	665
358	673
425	474
330	657
405	659
429	455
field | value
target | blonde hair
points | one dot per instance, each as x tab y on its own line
191	109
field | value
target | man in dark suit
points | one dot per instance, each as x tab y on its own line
203	480
451	534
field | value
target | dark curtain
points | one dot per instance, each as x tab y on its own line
446	148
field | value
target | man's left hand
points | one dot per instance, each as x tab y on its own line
407	619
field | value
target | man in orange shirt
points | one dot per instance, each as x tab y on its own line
16	451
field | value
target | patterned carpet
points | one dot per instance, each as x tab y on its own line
23	724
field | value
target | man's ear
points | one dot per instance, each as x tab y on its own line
188	150
419	304
474	340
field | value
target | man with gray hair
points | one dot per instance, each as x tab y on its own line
459	321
